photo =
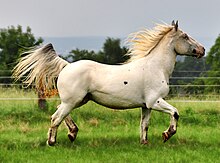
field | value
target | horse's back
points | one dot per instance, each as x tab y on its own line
84	74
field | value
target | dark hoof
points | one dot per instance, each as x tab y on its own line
50	143
165	136
144	142
71	137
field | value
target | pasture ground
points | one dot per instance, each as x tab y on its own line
107	135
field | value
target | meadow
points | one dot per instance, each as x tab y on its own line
106	135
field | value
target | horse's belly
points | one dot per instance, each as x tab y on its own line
116	102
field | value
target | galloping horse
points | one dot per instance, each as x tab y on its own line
142	81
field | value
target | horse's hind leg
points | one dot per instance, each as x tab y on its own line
56	119
73	129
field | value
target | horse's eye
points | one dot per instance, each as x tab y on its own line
185	36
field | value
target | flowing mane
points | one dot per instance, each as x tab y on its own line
141	43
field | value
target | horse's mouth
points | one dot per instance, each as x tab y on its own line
198	56
199	52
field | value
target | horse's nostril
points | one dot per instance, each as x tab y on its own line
203	50
194	51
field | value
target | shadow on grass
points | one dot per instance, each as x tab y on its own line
125	142
113	143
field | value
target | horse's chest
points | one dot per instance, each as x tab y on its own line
159	87
163	88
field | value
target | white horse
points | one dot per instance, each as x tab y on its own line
143	81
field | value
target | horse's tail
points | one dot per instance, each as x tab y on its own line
40	67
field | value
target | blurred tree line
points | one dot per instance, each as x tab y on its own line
111	53
13	41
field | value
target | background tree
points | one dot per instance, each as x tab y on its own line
13	41
112	53
213	59
77	54
190	64
187	70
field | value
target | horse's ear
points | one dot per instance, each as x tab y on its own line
175	24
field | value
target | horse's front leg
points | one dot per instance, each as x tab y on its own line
145	118
163	106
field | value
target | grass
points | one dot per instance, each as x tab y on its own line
107	135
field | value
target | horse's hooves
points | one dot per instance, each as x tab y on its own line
71	137
50	143
165	136
144	142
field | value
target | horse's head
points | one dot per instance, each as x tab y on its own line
186	45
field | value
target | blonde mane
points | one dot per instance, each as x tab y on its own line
141	43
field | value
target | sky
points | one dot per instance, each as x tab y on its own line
110	18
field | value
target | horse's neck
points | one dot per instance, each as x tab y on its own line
163	58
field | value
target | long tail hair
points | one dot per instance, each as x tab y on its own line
40	67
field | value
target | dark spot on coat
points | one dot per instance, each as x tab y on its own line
146	129
158	101
125	82
176	116
162	81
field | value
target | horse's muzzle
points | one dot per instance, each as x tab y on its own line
199	52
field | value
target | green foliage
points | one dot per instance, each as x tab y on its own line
213	66
13	40
77	54
187	71
112	53
213	59
191	64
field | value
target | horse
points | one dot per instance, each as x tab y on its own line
141	82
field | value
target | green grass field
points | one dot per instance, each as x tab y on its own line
107	135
